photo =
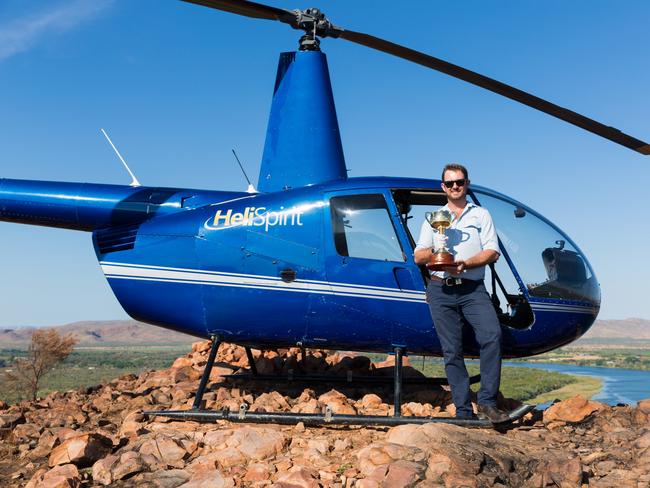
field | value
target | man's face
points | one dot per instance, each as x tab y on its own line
456	191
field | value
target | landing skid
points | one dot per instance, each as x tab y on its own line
328	418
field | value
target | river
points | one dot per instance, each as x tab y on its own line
619	385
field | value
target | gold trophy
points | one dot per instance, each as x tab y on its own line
441	258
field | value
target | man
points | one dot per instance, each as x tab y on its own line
459	293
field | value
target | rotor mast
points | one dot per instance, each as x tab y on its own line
303	142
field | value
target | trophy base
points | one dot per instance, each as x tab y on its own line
440	262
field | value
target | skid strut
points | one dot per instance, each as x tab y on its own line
327	418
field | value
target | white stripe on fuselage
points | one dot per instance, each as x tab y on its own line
189	276
142	272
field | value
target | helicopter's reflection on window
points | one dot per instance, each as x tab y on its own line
363	228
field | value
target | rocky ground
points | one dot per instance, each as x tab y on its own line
99	436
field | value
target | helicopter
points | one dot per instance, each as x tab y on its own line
324	258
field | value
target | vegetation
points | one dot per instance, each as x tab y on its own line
46	350
518	383
607	356
91	366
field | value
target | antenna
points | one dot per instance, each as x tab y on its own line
251	188
134	180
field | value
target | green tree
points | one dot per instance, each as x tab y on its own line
46	349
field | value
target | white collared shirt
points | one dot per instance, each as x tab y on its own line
468	235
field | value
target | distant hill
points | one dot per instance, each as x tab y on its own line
104	333
627	330
130	332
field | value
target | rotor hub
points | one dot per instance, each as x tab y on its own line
315	24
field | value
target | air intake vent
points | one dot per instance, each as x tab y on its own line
116	238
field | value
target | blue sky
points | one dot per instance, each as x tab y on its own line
177	86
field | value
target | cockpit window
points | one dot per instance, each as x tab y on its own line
363	228
549	265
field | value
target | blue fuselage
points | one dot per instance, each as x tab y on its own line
267	270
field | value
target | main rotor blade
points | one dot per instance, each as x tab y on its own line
259	11
495	86
250	9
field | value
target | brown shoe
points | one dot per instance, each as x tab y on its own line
493	414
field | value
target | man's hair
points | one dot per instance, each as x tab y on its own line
455	167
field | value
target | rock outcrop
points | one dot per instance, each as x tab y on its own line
99	436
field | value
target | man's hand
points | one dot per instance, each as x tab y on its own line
457	269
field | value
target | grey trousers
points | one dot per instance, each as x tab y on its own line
449	305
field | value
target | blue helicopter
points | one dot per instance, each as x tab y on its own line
326	260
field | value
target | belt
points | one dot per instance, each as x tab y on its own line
452	280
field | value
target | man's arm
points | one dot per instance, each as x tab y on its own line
422	255
482	258
422	252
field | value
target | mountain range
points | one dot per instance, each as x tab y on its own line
131	332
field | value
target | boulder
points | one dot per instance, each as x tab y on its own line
101	471
574	410
258	443
66	476
82	450
299	477
167	450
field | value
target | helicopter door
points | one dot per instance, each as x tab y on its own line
370	275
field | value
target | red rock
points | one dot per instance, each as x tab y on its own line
337	402
186	373
456	480
230	457
209	479
564	473
82	450
439	465
11	420
299	476
66	476
46	443
258	472
64	433
367	483
133	425
216	439
390	362
130	463
102	470
370	401
258	443
167	450
182	362
201	346
403	474
24	433
643	441
644	406
270	402
167	479
283	465
218	372
575	409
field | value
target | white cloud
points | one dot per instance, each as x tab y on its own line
19	35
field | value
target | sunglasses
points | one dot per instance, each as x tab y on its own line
450	184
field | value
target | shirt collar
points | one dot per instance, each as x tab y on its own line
467	208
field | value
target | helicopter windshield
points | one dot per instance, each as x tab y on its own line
546	260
